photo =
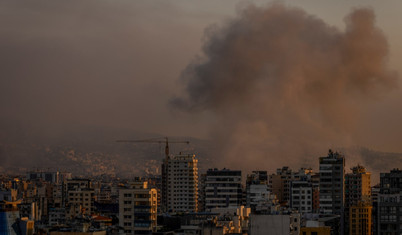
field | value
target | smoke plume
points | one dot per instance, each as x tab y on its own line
284	85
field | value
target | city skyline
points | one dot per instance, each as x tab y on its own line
326	201
177	117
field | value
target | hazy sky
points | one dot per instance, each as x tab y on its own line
118	63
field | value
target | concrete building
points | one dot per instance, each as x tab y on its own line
8	195
357	194
301	198
257	190
11	222
233	219
81	201
57	216
74	184
223	188
390	203
201	192
332	188
315	228
332	185
275	224
315	182
48	176
45	198
54	177
360	219
280	184
375	192
138	208
29	210
180	183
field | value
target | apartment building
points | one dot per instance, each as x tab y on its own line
180	183
223	188
138	208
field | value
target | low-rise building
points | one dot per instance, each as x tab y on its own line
275	224
315	228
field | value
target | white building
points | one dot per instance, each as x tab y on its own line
138	209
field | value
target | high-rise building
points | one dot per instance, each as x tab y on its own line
315	182
332	185
180	183
201	192
223	188
360	218
156	183
375	192
301	196
357	186
138	208
301	191
390	203
358	195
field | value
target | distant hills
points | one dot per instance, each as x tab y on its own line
94	151
91	151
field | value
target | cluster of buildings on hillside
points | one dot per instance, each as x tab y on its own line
219	201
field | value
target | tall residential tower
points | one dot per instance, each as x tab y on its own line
180	183
332	185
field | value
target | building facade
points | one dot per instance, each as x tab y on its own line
180	183
81	201
390	203
358	195
223	188
301	198
332	185
138	209
360	219
257	191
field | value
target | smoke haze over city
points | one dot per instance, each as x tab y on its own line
276	83
284	84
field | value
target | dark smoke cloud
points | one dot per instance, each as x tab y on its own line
284	85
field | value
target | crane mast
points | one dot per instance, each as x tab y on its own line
155	140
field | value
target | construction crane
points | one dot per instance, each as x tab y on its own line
156	140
